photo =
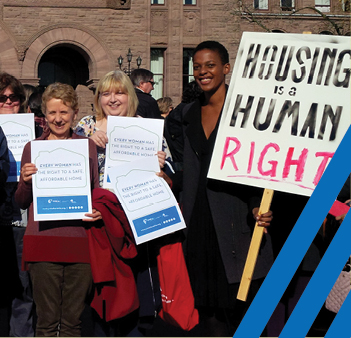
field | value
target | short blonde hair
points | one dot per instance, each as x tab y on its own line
60	91
164	103
115	80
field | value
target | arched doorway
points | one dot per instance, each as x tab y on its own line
63	63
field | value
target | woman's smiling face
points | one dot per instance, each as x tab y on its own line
114	103
59	118
12	104
209	71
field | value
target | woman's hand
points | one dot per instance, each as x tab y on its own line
161	158
100	138
27	171
263	220
95	216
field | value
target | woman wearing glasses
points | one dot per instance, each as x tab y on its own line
13	222
11	94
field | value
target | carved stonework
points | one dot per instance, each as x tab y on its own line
113	4
159	22
21	54
191	23
118	4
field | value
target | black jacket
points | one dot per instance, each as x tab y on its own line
148	106
230	204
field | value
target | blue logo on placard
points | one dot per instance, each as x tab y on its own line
62	204
156	221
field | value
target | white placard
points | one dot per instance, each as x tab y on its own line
130	139
147	200
19	130
286	111
61	187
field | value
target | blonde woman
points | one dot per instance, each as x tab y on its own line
114	96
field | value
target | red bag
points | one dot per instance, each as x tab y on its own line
178	307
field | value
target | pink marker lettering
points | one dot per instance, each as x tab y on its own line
300	163
326	157
271	172
232	153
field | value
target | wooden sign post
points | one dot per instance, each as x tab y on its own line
254	248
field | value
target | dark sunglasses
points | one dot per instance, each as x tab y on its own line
12	97
152	83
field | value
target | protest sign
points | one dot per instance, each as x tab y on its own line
286	111
61	187
19	130
130	139
147	200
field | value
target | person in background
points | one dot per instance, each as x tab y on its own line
165	104
220	216
34	106
115	96
143	82
56	252
12	98
8	257
173	132
28	91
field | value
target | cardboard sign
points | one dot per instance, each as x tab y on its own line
61	187
130	139
147	200
286	111
19	130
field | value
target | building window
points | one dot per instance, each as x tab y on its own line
287	5
261	4
187	66
345	5
189	2
157	62
157	2
323	5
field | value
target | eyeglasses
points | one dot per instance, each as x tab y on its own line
12	97
152	83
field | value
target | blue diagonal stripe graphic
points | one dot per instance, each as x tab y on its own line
340	326
298	242
320	284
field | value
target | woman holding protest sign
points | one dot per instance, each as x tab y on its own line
115	96
56	252
220	216
13	222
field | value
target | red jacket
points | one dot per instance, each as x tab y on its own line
110	245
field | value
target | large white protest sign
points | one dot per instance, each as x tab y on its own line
286	111
19	130
130	139
61	187
147	200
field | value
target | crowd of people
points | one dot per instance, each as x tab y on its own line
50	279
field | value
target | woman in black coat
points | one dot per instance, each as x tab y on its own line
220	216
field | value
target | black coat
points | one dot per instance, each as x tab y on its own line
230	205
148	106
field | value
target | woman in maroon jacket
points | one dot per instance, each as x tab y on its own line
56	252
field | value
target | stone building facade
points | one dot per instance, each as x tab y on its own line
95	33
